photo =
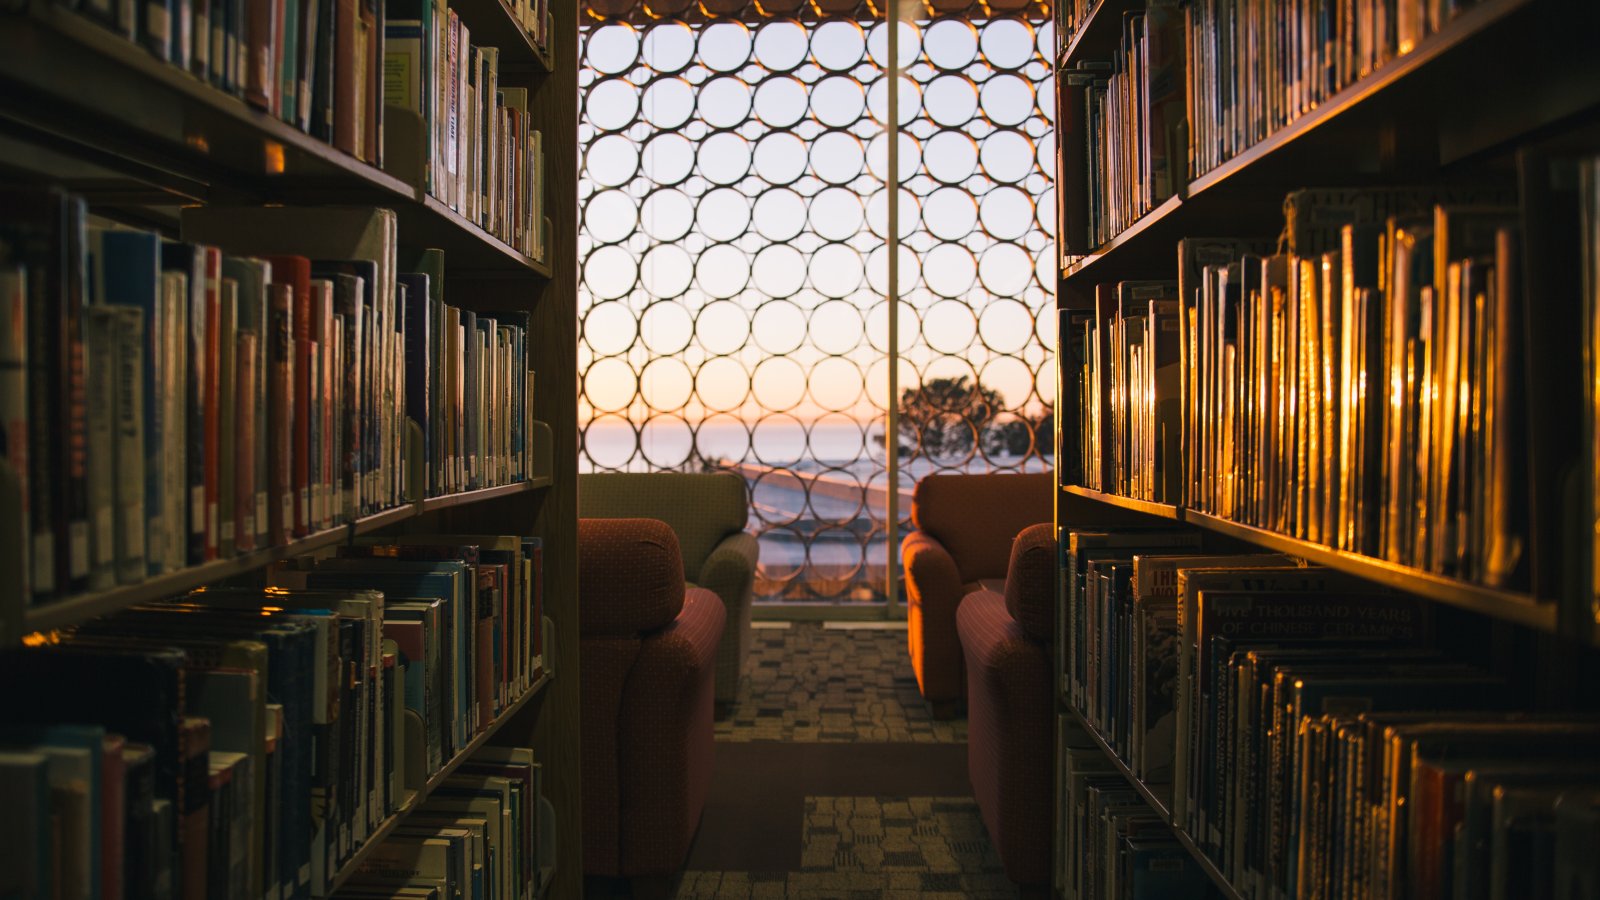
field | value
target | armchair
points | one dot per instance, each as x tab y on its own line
648	647
1010	709
707	512
965	526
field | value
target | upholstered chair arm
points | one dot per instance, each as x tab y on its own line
730	572
933	586
730	569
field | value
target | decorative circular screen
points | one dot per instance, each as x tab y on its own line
735	263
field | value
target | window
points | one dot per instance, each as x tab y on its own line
735	248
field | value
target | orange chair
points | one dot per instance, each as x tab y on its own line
965	528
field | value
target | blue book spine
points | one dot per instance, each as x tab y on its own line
131	261
419	356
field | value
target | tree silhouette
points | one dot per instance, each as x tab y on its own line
944	416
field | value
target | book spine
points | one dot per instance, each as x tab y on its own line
288	59
228	473
300	489
331	422
260	40
306	64
280	387
245	462
211	410
195	415
346	89
15	483
72	530
130	463
100	340
173	392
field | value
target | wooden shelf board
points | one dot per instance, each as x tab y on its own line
416	798
1099	33
62	613
70	610
485	251
1160	805
1147	507
1085	265
464	497
1511	605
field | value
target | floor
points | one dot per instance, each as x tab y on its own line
816	684
832	781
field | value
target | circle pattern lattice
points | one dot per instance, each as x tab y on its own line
735	265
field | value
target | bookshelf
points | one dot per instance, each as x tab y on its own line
204	145
1414	119
83	107
1365	134
416	798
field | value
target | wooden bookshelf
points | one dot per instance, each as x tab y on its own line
163	127
1333	144
82	106
415	799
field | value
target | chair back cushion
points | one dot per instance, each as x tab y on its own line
1031	582
700	508
630	577
976	517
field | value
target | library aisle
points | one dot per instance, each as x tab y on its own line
874	800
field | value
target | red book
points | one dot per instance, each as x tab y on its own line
296	271
244	467
280	411
194	804
347	106
113	806
213	411
261	36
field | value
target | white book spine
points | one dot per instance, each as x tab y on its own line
100	377
129	332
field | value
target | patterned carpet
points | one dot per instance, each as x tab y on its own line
811	684
871	847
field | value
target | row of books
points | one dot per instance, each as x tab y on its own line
1245	388
1191	86
484	834
467	134
1254	68
1129	155
1128	395
329	68
245	742
168	403
312	63
1111	844
1311	739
